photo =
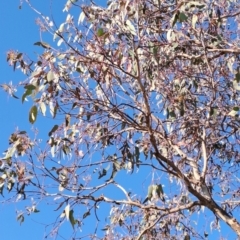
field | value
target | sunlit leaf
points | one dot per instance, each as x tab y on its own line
170	35
61	28
43	108
12	150
60	41
100	32
62	215
150	190
67	211
81	17
53	109
129	166
236	85
131	27
33	114
50	76
194	20
55	36
150	194
234	112
60	188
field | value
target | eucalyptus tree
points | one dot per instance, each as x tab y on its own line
139	89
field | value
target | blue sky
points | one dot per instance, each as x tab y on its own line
19	32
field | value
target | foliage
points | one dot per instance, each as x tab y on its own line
149	86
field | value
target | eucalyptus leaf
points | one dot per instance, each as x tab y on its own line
100	32
182	17
71	218
33	114
27	93
30	87
67	211
236	85
55	127
42	44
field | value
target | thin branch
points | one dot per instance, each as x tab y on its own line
204	155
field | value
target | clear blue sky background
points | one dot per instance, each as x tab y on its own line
19	32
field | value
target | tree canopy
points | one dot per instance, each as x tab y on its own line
145	90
